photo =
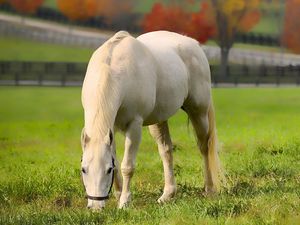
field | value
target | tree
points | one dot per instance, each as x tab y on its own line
175	17
232	16
26	6
202	25
86	9
291	34
171	18
221	19
78	9
111	9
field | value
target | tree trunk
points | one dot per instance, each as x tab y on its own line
224	62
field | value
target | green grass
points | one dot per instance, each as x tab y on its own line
50	3
258	129
268	25
25	50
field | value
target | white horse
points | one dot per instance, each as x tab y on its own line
134	82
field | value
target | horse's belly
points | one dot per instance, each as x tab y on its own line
170	97
160	115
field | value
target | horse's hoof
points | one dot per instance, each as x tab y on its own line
209	192
167	196
123	205
163	199
124	200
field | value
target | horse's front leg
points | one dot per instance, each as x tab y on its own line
132	141
117	177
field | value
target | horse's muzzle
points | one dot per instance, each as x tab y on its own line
95	205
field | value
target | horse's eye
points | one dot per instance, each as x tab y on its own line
83	170
109	170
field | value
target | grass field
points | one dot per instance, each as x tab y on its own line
258	129
25	50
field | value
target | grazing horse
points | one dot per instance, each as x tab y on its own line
134	82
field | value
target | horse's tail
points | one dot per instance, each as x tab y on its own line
213	153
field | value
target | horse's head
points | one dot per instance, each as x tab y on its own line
97	168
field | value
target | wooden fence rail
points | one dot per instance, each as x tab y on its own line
72	74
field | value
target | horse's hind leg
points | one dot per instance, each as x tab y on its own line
204	125
160	132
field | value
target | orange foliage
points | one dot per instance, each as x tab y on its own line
235	16
78	9
175	18
291	34
85	9
201	25
171	18
248	21
26	6
112	8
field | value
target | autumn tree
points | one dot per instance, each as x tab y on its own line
26	6
175	17
291	33
202	25
171	18
78	9
111	9
86	9
231	17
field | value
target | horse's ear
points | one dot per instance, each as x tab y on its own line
108	139
84	138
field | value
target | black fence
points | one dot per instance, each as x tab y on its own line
72	74
257	39
257	75
42	73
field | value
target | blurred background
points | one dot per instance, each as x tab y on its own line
248	42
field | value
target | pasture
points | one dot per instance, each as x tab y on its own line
18	49
258	130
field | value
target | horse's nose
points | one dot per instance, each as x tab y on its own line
96	205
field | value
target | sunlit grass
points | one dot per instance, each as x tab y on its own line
258	130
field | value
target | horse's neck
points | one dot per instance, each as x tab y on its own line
107	106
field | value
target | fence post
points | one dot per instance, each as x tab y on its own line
213	76
40	81
278	74
297	68
257	81
17	79
236	75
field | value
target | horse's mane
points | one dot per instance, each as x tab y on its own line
107	91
